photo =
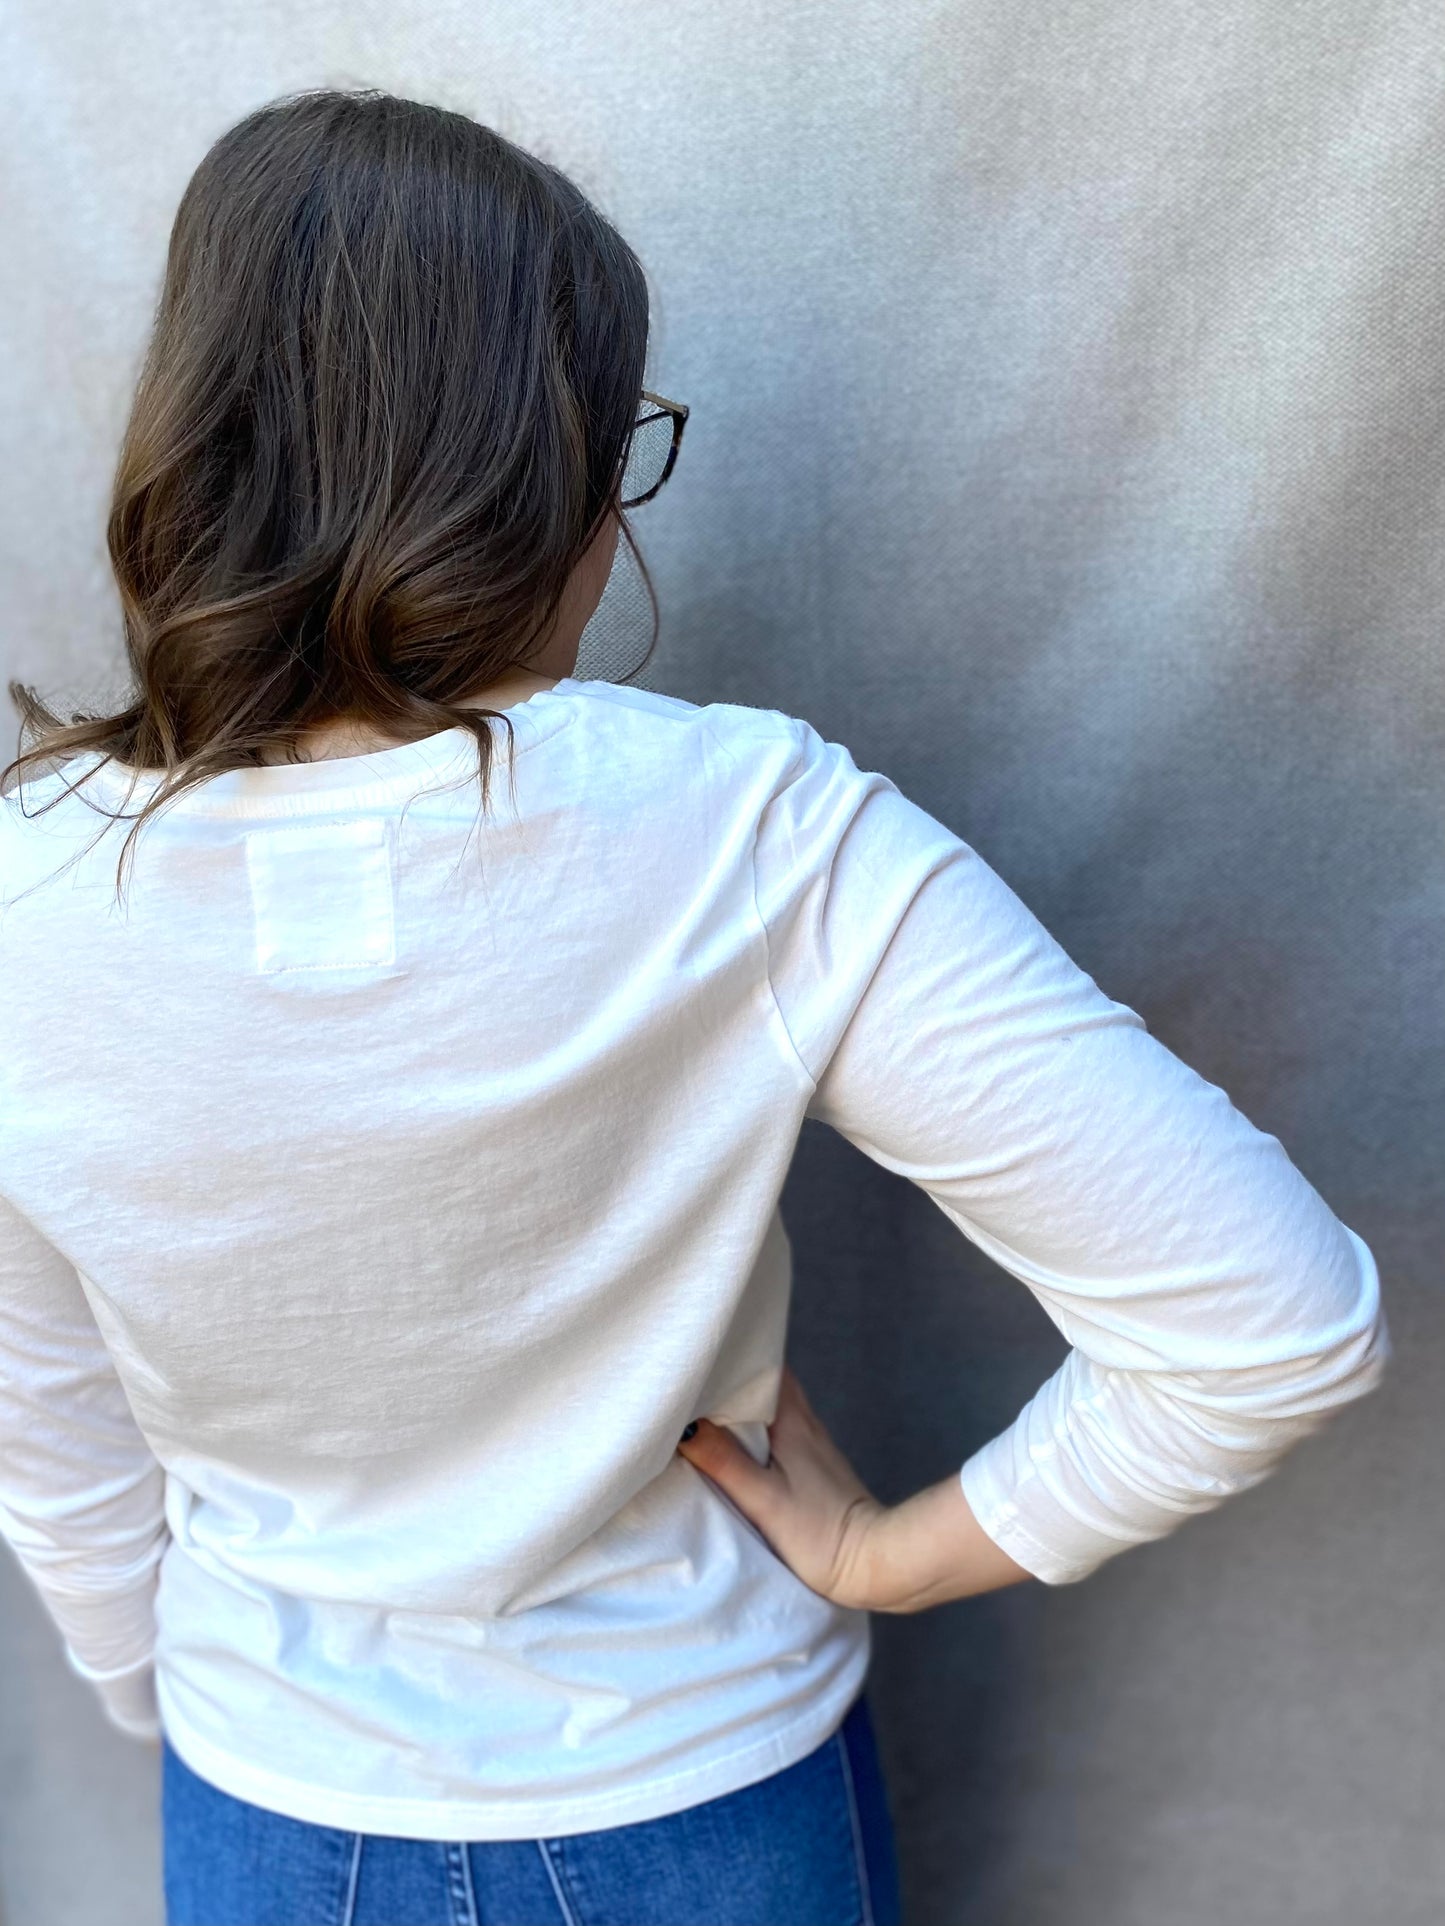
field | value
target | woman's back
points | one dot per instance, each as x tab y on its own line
423	1190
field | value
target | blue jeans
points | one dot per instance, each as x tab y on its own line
810	1846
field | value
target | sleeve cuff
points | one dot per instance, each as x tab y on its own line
127	1695
1063	1552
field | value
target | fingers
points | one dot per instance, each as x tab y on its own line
794	1413
752	1487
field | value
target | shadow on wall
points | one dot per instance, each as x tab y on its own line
80	1812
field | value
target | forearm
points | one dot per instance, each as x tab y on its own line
82	1496
931	1549
1100	1460
102	1602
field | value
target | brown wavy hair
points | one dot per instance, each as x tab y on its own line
386	406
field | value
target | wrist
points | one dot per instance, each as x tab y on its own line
930	1550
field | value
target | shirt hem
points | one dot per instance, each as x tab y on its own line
492	1820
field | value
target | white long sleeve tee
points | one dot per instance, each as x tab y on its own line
382	1193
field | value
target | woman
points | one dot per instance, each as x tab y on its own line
394	1291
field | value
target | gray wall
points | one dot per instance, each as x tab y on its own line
1067	439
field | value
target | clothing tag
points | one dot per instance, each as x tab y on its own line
321	896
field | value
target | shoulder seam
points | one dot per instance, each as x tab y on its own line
795	729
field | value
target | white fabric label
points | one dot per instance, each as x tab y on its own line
321	896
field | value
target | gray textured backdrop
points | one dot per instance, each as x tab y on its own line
1066	438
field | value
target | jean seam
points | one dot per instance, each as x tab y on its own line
353	1881
865	1884
568	1915
459	1885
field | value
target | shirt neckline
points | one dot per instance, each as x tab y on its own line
374	776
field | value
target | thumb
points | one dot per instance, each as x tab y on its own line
753	1488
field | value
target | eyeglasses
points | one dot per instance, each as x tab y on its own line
652	450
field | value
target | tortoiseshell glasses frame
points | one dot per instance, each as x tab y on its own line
658	406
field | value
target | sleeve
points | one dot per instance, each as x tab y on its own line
1217	1310
82	1497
